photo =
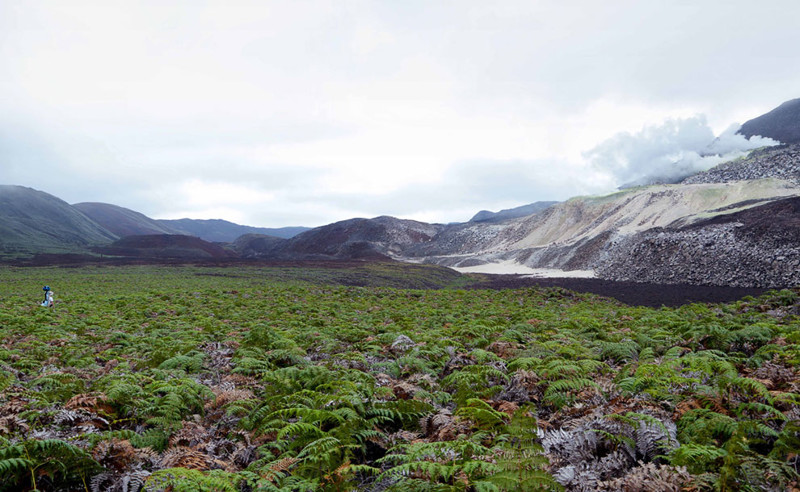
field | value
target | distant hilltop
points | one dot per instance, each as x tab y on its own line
781	124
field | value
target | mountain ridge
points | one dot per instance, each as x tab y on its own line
223	231
712	227
122	221
511	213
34	221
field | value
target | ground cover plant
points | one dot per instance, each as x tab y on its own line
247	378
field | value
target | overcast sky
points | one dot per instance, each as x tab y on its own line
303	113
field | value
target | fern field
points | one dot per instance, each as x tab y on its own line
267	379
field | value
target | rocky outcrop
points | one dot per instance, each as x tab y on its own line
582	233
758	247
772	162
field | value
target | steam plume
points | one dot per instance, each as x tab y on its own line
669	152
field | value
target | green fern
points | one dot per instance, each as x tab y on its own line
451	465
189	362
482	415
698	458
59	386
521	462
31	462
475	380
564	391
186	480
172	399
620	352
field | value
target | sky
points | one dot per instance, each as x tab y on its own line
302	113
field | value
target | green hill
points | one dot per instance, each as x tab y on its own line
123	221
32	222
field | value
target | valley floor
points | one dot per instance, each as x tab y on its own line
179	378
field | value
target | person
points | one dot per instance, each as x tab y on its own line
48	297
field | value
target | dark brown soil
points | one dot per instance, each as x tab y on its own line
632	293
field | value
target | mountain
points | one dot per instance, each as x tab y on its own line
122	221
32	221
579	234
257	245
737	224
125	222
782	124
378	238
164	246
222	231
511	213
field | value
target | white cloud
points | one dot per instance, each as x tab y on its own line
730	142
336	109
669	152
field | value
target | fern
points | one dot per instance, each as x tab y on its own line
187	480
520	459
563	391
471	381
620	351
482	414
787	442
698	458
189	362
27	463
59	386
445	463
172	399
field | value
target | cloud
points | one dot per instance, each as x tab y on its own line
730	141
466	188
315	111
668	152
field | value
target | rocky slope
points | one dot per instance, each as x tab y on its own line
256	245
756	247
579	233
378	238
772	162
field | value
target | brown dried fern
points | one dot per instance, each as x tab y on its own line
183	457
115	453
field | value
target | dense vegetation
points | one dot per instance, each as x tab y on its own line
239	379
